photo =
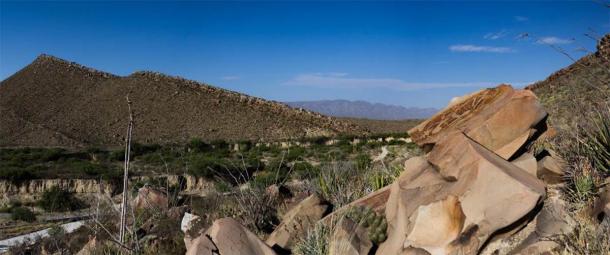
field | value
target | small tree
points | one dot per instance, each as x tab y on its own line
59	200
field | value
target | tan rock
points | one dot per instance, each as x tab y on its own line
480	195
551	169
553	220
149	198
227	237
527	162
601	207
499	119
89	248
297	221
349	238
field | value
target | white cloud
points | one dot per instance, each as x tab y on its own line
477	48
521	18
553	40
495	36
321	80
230	78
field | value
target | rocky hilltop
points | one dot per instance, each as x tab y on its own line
576	93
53	102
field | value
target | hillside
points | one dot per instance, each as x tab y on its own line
578	91
53	102
364	110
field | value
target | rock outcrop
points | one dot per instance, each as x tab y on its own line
476	181
453	206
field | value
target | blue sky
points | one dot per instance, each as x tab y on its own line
405	53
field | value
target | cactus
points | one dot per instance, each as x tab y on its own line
376	224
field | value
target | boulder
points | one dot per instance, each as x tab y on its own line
349	238
226	236
453	202
150	198
553	220
296	222
551	169
501	119
187	223
527	162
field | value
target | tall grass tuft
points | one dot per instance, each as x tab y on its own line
596	144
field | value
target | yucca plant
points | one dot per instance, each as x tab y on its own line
596	145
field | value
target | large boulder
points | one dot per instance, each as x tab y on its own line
501	119
150	198
296	222
227	237
453	202
349	238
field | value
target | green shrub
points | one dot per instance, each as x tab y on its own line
22	213
58	200
198	145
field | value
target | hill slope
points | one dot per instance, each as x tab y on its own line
365	110
52	102
579	91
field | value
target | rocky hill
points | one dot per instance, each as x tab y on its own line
578	91
53	102
364	110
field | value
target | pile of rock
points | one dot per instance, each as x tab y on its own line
477	183
476	180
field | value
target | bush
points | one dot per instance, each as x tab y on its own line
198	145
22	213
58	200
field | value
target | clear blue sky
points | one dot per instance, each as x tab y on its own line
405	53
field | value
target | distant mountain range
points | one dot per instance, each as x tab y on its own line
363	109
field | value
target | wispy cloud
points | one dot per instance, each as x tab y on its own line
496	36
230	78
478	48
521	18
553	40
326	80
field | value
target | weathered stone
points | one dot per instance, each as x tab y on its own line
188	220
149	198
553	220
349	238
550	169
480	195
226	236
527	162
297	221
499	119
89	248
601	207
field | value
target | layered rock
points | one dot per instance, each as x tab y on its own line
453	206
501	119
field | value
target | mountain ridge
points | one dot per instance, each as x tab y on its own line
88	107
